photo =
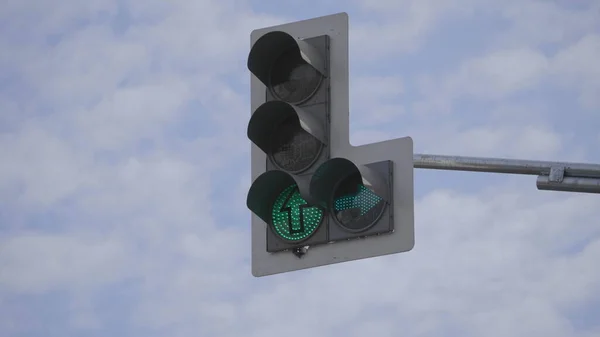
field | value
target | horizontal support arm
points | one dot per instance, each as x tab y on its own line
569	184
498	165
552	176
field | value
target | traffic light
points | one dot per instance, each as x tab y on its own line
291	128
315	199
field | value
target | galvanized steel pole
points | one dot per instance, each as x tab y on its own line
554	176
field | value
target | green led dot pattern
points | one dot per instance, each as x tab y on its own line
293	219
364	200
356	207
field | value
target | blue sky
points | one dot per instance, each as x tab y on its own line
124	168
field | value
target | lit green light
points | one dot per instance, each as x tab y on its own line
293	219
364	200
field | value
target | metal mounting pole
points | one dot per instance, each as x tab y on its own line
552	176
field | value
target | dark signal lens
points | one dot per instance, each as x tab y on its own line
293	149
292	80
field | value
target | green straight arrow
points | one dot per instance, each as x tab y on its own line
293	219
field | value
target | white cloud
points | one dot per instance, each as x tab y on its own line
495	76
537	23
42	166
37	263
132	113
376	97
366	136
524	142
504	73
574	67
400	26
499	74
142	229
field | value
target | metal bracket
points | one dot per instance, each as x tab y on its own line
557	174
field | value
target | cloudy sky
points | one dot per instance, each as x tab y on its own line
124	168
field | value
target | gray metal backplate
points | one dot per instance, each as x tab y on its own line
399	151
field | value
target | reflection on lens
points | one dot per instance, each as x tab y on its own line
356	207
293	80
293	149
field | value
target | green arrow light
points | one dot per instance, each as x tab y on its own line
359	210
293	219
364	200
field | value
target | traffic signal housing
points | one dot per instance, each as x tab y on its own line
292	129
356	198
315	199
